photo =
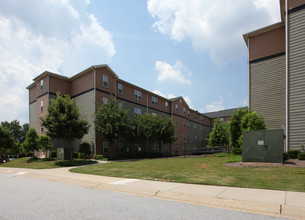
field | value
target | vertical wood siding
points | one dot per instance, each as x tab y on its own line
296	65
267	90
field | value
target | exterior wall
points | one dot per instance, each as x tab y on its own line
295	3
225	119
86	103
267	90
45	89
32	94
111	80
296	80
267	44
61	85
33	115
40	113
82	84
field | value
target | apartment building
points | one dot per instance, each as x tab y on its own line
223	115
277	72
100	84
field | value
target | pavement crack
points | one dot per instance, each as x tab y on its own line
157	192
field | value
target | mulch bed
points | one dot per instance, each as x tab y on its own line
287	163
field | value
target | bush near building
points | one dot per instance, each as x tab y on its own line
301	156
293	154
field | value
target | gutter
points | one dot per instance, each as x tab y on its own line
287	74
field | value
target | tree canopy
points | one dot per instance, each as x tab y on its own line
219	135
235	126
62	121
44	143
18	132
6	139
30	143
112	121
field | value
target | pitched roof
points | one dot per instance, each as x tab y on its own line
221	113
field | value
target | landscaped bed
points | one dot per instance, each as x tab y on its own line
204	170
35	163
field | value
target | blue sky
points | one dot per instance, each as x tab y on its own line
189	48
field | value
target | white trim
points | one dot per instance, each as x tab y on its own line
94	102
287	70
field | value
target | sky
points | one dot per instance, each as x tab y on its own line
189	48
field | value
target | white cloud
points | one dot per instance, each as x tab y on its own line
215	26
215	106
171	96
169	73
54	35
245	102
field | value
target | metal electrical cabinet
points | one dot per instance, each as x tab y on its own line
263	146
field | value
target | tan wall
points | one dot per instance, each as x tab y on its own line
60	85
267	90
33	115
295	3
82	83
45	86
267	44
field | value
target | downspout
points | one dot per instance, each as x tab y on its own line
94	103
147	113
249	73
287	69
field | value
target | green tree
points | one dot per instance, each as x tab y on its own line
252	121
112	121
18	131
6	139
219	135
166	131
30	143
235	129
44	143
62	121
84	149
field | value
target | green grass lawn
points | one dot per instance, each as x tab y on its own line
40	164
203	170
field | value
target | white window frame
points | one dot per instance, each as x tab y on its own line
41	129
188	113
105	81
176	107
195	115
137	111
137	95
120	88
41	84
41	106
105	100
183	110
166	105
106	146
154	101
201	118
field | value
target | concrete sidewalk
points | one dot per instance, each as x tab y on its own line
268	202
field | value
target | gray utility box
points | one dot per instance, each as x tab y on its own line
263	146
64	153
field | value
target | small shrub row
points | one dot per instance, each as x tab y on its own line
285	156
99	157
53	153
293	154
301	156
237	151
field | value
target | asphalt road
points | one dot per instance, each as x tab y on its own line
24	197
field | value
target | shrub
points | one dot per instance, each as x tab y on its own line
48	159
301	156
53	153
293	154
99	157
81	156
85	149
75	154
21	155
285	156
29	154
237	151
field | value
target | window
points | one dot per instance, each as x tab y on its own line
177	135
180	100
137	111
176	121
201	127
41	105
105	81
120	88
166	105
41	129
188	113
176	151
195	138
137	95
183	110
105	100
221	119
183	123
201	118
195	127
154	114
154	101
176	106
41	84
195	116
105	147
183	136
188	124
